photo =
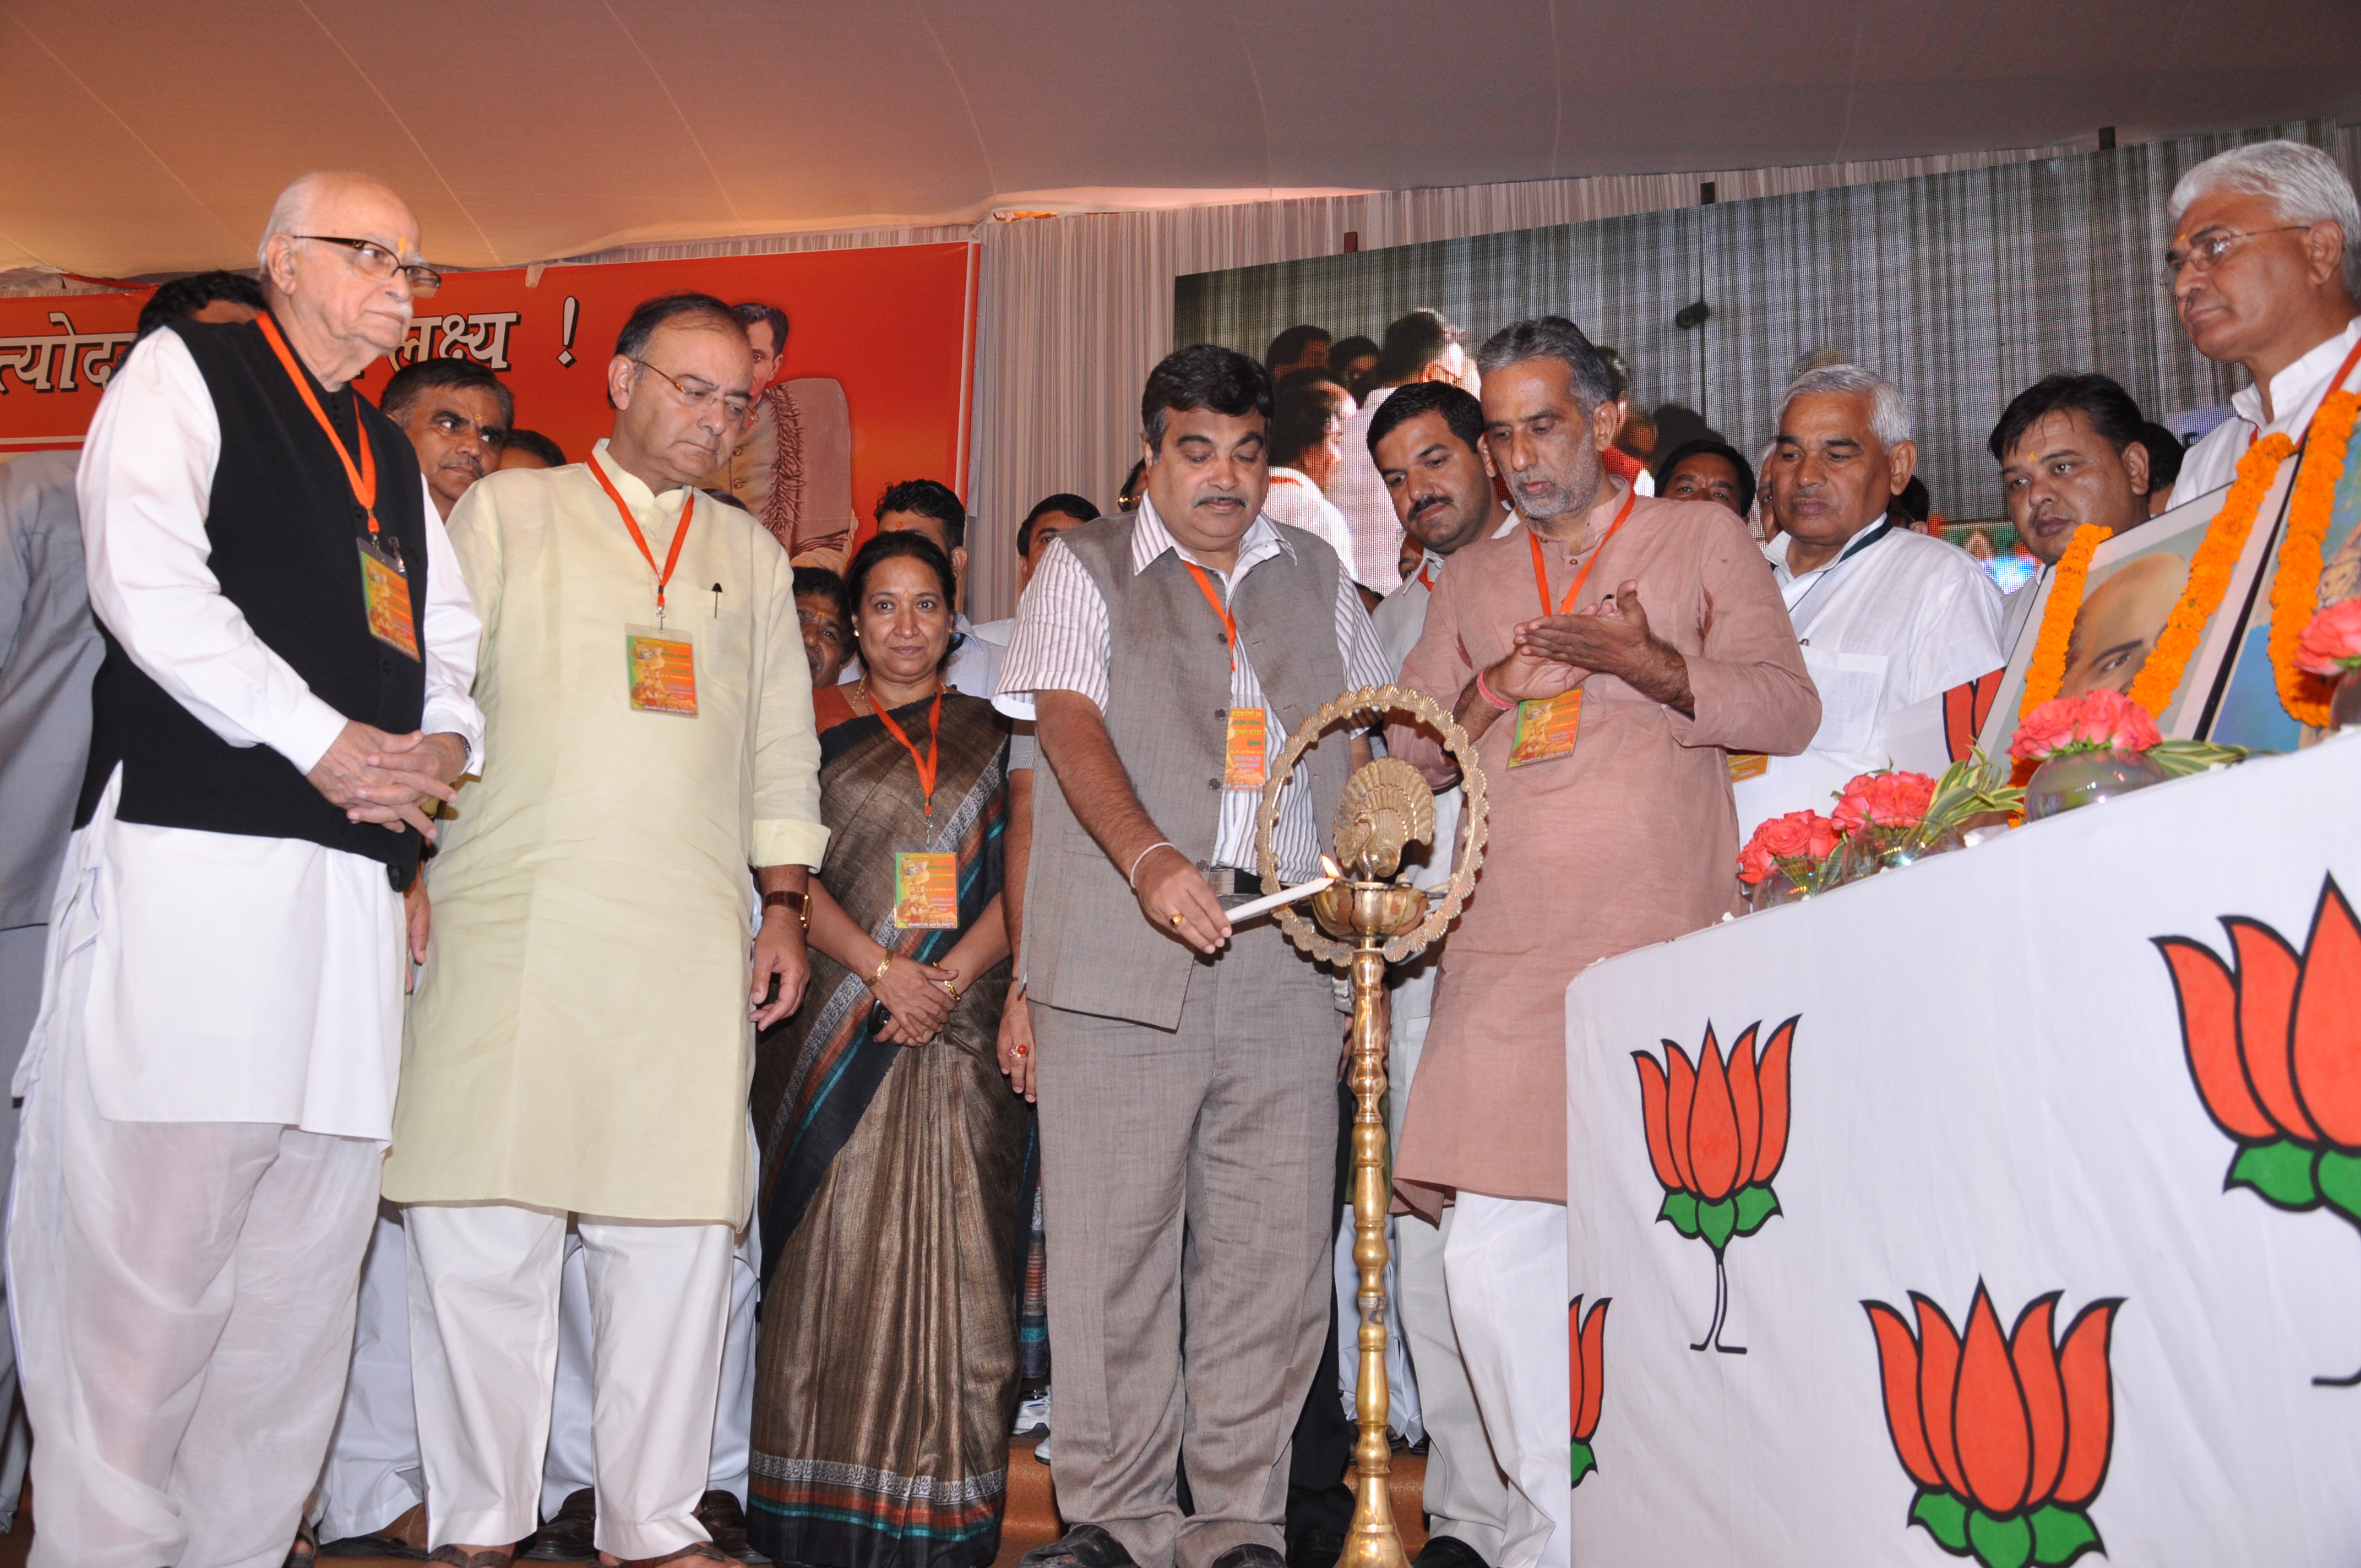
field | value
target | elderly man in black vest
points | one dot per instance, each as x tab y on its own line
1187	1071
289	648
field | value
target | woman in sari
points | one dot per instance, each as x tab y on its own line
896	1180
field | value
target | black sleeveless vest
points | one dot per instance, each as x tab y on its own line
283	527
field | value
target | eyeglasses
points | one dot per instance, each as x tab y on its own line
700	395
374	260
450	423
2207	250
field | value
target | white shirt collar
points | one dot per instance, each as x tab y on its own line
1149	538
2297	391
1794	585
634	490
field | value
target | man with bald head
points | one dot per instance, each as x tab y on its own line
583	1035
208	1094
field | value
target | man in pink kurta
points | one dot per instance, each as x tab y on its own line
1613	828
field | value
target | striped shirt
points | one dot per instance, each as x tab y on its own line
1062	643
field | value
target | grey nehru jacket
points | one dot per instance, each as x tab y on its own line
1087	947
50	649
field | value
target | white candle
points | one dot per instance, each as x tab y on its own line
1269	902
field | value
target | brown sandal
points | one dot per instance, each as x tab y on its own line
460	1557
694	1552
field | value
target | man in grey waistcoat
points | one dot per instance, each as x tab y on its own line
1186	1073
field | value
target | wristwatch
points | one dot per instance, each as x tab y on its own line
791	899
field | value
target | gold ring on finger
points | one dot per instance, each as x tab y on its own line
1176	918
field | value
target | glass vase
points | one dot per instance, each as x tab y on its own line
2344	700
2087	778
1892	848
1772	890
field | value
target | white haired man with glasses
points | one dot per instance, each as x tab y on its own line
2264	268
209	1090
582	1038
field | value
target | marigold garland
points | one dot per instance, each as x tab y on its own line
2047	673
2295	587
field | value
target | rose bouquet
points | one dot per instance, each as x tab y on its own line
1892	818
2330	646
1789	858
2082	751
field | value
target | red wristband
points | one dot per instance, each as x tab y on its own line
1484	690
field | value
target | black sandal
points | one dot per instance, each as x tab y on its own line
1083	1546
460	1557
305	1551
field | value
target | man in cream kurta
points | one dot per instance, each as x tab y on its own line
581	1042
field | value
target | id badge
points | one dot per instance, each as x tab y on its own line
662	671
926	890
1744	765
1245	747
384	591
1545	728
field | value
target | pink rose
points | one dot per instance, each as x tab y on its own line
2332	643
2111	721
2045	731
1798	835
2101	721
1884	799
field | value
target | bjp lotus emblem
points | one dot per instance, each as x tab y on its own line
1717	1133
1586	1341
2007	1436
2274	1048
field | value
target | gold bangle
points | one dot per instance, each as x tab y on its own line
951	989
882	965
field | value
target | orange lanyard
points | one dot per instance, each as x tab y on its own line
1206	585
1541	566
363	478
2352	357
928	764
672	557
1426	576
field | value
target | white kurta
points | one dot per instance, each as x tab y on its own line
297	1020
581	1040
1903	619
2295	394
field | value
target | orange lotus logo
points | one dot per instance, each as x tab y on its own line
1586	1343
2274	1048
2006	1435
1717	1135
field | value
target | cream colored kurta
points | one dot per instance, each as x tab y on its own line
580	1037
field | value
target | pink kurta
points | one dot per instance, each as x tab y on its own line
1630	840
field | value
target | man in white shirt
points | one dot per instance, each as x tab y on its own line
1428	443
934	509
289	647
1886	618
2072	451
2265	266
1307	447
1421	347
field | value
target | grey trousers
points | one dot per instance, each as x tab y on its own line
22	948
1186	1178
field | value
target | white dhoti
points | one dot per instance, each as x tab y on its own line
1467	1497
1504	1264
195	1176
484	1287
182	1297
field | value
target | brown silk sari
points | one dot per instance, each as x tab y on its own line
895	1198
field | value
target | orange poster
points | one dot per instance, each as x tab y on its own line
892	328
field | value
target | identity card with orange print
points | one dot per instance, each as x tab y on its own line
1245	750
926	890
1545	728
663	670
385	592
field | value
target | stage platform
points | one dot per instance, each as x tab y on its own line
1032	1519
